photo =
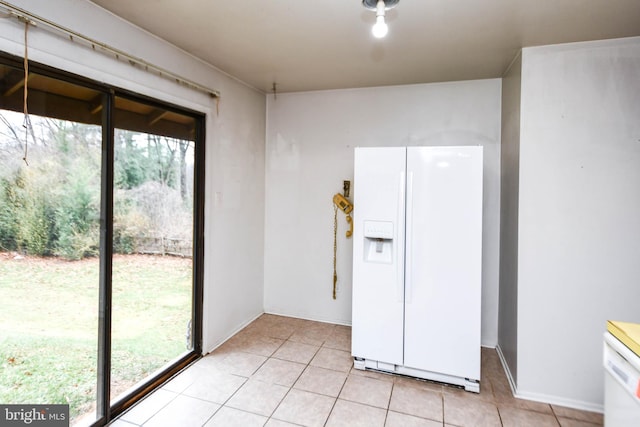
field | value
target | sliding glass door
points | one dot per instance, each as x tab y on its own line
100	242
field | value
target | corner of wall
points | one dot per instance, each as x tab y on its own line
509	200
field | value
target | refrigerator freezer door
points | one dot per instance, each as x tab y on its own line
378	254
443	260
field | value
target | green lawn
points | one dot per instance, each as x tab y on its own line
49	325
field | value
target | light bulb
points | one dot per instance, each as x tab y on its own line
380	28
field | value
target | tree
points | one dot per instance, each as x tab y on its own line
184	147
131	161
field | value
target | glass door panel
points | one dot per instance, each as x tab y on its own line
152	283
50	181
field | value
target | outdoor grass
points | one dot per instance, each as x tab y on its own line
49	325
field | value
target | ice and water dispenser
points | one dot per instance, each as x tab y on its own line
378	241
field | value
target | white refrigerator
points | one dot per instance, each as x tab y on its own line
417	261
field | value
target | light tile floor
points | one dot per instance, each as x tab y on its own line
281	371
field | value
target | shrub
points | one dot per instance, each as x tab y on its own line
77	216
26	213
8	225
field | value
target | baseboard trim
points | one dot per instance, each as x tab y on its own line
307	317
545	398
507	371
561	401
218	343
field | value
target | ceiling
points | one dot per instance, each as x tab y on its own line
306	45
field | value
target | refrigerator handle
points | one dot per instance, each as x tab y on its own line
399	241
408	237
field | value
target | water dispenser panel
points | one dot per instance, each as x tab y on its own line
378	241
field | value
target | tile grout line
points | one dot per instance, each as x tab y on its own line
337	397
291	387
223	405
137	403
442	397
296	380
386	415
555	415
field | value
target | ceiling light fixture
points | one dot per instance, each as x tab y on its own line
380	28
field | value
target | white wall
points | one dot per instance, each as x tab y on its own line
234	199
509	187
579	214
310	141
